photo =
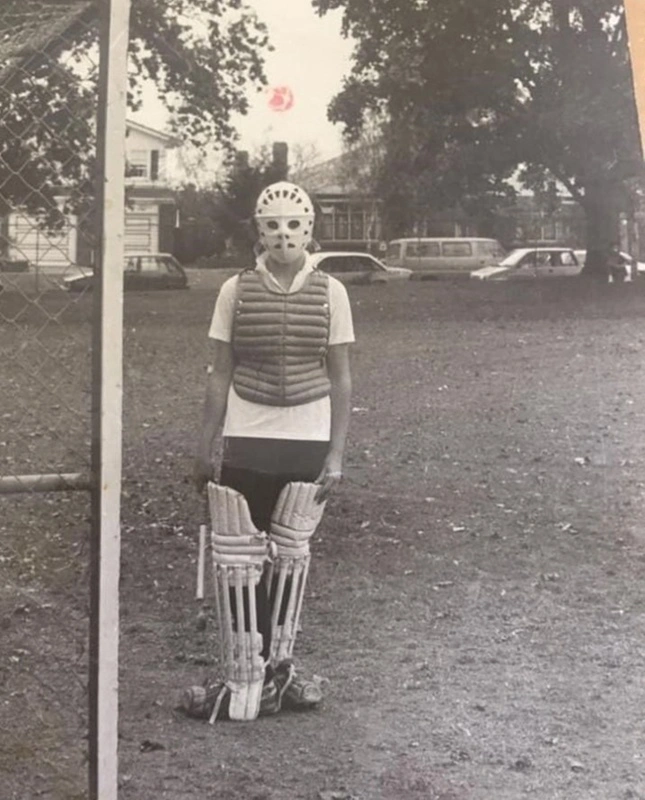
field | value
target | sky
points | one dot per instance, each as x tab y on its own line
310	59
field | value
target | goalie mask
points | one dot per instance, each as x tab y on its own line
284	215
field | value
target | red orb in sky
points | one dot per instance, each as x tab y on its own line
280	98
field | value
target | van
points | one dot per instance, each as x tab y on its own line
443	256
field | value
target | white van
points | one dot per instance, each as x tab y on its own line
443	256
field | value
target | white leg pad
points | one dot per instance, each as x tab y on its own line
240	552
295	518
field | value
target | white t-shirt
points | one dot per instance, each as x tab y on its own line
308	421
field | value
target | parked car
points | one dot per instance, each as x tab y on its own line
143	271
443	255
351	267
532	262
629	262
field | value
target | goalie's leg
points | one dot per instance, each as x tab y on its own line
294	520
287	578
239	555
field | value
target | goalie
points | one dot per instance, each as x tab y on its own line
280	386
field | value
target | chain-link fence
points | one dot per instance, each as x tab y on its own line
49	74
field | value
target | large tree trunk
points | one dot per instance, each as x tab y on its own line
602	217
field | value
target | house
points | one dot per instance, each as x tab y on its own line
347	217
346	220
150	202
351	218
149	216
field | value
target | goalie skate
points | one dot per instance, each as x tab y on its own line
239	553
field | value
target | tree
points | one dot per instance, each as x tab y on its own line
200	232
245	180
474	91
302	157
202	56
219	216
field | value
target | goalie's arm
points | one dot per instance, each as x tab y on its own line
341	393
340	396
217	387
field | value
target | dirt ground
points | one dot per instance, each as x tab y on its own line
476	605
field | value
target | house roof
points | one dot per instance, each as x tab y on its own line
330	177
336	177
167	138
334	189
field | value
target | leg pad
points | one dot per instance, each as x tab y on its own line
240	552
294	520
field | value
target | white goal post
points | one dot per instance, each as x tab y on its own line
34	35
107	390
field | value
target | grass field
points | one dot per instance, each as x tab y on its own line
476	600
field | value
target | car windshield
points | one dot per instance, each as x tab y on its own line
373	264
169	265
514	258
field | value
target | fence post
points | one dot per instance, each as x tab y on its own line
107	391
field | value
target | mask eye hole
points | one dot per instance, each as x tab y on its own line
272	225
293	224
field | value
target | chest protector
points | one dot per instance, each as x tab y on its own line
280	341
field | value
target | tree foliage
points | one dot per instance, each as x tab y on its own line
200	232
219	217
202	55
475	91
245	179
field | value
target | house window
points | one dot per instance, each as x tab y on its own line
327	226
138	164
342	225
357	225
154	165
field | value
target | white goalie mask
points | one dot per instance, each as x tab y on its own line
284	215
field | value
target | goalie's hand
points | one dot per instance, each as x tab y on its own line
203	472
329	478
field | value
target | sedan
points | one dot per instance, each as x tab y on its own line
351	267
532	262
142	271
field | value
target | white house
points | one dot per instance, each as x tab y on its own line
149	216
151	206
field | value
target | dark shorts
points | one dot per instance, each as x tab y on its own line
260	468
